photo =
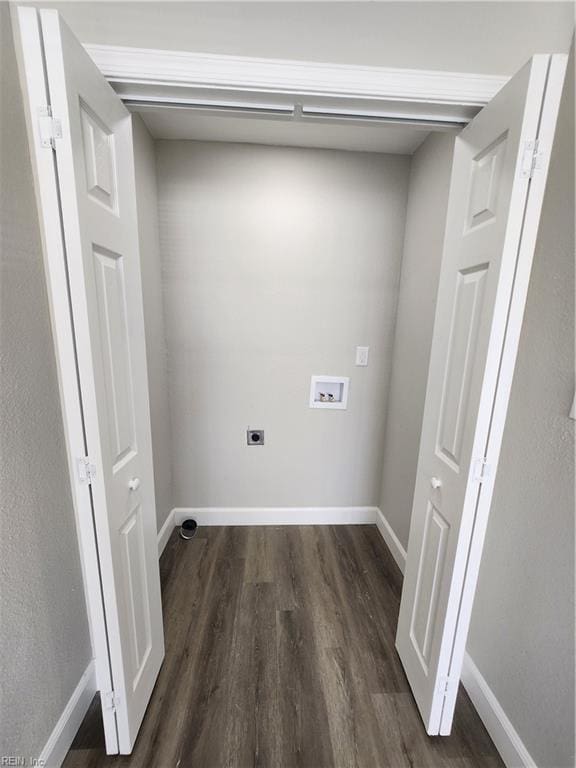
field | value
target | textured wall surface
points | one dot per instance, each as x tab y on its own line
425	223
277	263
496	38
522	634
156	351
44	642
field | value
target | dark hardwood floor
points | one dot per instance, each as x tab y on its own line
280	652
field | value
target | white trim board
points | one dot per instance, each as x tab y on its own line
265	516
180	78
125	64
61	738
165	531
502	732
392	541
276	515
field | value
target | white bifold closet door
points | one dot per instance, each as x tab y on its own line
497	185
93	156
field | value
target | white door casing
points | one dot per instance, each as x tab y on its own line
96	188
493	212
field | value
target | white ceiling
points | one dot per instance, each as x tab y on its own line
188	124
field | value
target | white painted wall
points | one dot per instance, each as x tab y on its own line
522	632
488	37
44	640
156	350
425	224
277	263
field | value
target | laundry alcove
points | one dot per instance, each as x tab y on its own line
286	229
276	263
272	240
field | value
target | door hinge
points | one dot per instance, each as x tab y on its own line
447	685
86	470
110	701
482	470
531	159
49	127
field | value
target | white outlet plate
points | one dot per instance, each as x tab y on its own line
362	356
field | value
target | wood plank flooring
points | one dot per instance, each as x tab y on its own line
280	653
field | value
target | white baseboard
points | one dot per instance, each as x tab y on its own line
276	515
392	541
165	531
502	732
61	738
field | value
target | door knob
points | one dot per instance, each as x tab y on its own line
134	483
435	482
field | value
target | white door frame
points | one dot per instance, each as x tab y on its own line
27	32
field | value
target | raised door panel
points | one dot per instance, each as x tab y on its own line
135	592
99	159
115	347
463	335
430	570
485	183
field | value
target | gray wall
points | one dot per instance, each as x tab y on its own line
277	263
156	351
522	632
496	38
425	223
44	643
